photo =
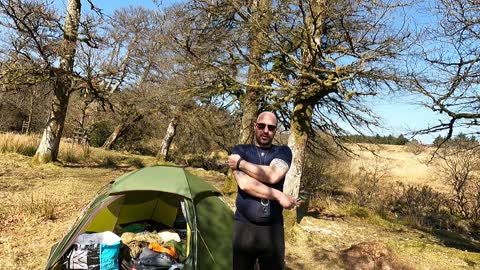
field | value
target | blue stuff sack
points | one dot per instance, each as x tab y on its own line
109	251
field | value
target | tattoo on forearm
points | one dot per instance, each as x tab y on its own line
280	164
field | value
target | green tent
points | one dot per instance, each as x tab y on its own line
158	193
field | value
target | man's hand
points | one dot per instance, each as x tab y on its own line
232	161
286	201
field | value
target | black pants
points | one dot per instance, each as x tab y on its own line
252	242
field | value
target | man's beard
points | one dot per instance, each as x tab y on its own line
261	143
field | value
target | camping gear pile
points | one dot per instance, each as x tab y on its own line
148	249
139	247
154	218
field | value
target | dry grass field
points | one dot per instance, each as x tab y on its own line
400	163
38	203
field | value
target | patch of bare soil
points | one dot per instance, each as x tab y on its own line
371	255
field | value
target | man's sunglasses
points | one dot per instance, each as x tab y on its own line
261	126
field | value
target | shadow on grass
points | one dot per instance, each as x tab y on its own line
107	162
316	212
108	165
321	259
455	240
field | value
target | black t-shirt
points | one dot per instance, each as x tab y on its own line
252	209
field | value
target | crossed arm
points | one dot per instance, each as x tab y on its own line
270	174
247	179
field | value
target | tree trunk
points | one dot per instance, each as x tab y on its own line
30	112
297	141
167	140
261	17
301	122
250	109
50	143
261	11
248	118
117	133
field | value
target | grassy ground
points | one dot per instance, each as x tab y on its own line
38	203
320	243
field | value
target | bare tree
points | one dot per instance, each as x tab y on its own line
136	65
447	70
50	142
41	49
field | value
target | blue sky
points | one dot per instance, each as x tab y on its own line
400	114
109	6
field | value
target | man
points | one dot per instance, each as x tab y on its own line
260	170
